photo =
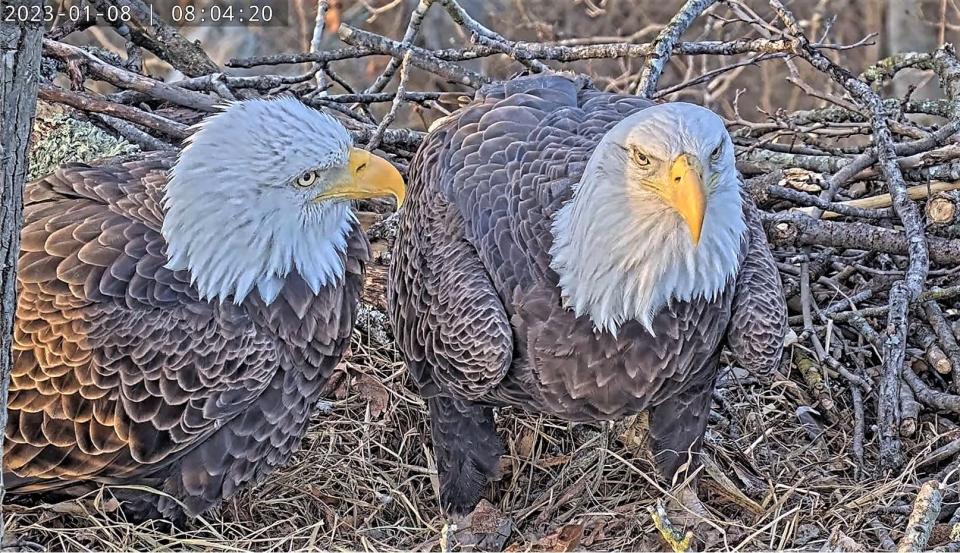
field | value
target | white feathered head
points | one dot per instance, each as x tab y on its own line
264	188
657	216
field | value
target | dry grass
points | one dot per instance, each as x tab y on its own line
364	480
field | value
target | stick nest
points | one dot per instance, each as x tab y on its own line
854	444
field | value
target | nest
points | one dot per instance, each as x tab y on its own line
855	444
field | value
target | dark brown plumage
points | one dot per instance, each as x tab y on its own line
122	375
476	307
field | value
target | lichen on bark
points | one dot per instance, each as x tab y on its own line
59	137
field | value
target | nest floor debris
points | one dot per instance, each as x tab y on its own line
855	444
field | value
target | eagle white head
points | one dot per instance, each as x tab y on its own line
656	217
264	188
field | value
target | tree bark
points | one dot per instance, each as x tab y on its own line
19	75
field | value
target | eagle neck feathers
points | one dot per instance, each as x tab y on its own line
230	252
619	260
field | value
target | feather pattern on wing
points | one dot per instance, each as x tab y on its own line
476	307
122	375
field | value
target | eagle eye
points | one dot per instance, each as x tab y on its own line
307	179
717	152
639	157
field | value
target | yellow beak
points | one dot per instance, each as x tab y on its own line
685	193
366	176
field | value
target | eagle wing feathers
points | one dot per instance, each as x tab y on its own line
759	319
119	370
100	319
476	307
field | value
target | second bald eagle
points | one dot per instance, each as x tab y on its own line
577	253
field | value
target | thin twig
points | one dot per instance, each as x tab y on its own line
316	43
420	57
409	36
664	43
485	37
374	142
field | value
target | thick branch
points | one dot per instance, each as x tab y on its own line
150	32
664	43
20	53
796	229
946	338
926	509
535	50
87	102
127	79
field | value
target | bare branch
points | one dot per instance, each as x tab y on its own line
418	56
317	40
150	32
87	102
663	45
127	79
409	36
374	142
484	36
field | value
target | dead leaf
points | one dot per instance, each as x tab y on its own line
597	532
69	508
376	394
504	467
566	538
942	534
338	385
107	505
485	518
633	433
838	542
484	529
553	461
525	444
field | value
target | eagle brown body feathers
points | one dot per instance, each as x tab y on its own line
477	310
123	375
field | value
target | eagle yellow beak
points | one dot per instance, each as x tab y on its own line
366	176
685	193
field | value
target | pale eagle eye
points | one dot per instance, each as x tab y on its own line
717	152
639	157
307	179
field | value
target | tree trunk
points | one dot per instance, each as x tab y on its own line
19	73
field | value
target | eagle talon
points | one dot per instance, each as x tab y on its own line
678	540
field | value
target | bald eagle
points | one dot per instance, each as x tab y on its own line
177	316
580	254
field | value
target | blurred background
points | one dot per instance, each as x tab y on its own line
884	27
